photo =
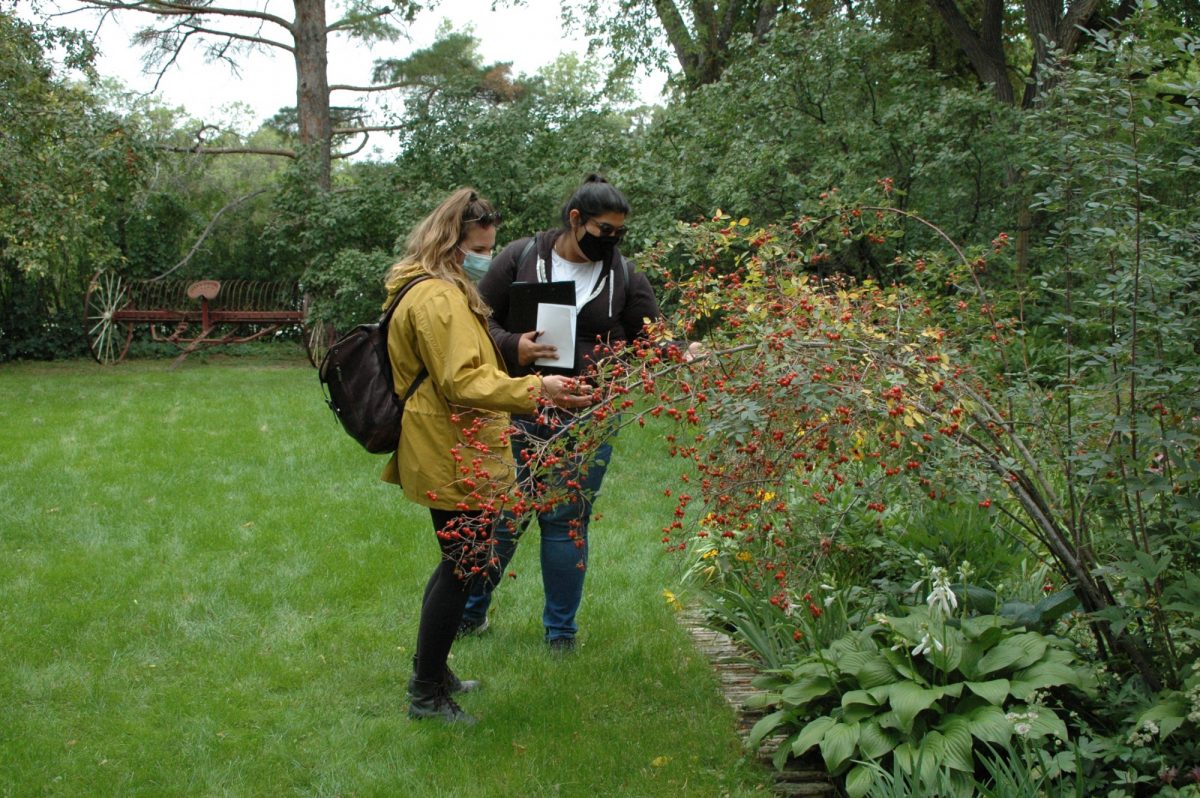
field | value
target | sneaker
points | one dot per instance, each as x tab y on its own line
561	645
469	628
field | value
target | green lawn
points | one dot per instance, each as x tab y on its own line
205	590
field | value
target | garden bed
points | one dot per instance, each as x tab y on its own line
799	777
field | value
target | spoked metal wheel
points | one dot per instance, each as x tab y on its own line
108	338
318	336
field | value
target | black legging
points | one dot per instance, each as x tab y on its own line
467	559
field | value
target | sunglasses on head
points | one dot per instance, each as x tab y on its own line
608	231
486	219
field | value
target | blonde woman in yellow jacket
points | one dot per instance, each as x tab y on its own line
453	455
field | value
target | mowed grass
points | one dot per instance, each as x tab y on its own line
206	591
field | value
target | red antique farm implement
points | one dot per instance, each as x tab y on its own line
194	314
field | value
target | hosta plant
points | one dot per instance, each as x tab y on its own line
921	691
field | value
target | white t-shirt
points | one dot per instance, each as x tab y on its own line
583	274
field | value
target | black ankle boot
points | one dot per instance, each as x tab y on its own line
453	683
432	700
457	685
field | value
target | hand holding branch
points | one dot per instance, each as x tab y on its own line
566	392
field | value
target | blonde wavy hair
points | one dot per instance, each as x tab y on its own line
432	246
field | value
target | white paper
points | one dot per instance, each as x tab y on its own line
557	323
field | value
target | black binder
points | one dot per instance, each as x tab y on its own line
524	298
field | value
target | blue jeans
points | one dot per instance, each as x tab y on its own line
564	530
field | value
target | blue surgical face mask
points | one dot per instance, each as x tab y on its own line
475	265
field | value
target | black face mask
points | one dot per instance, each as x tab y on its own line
597	247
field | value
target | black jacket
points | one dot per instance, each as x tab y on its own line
616	312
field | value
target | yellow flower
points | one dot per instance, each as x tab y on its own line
672	600
744	556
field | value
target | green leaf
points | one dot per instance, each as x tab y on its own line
780	757
1021	612
908	700
989	724
911	626
762	700
1018	651
838	745
874	741
859	781
859	697
979	626
874	670
1035	646
820	667
947	660
857	713
1040	676
905	755
952	690
811	734
995	691
806	690
1168	725
1056	605
927	754
899	661
766	725
888	720
962	785
1173	706
852	661
1046	723
957	746
977	599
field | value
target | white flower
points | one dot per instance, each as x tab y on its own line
928	643
943	600
1144	734
1022	728
941	597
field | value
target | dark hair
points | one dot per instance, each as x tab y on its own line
594	197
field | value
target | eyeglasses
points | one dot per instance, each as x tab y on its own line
486	220
608	231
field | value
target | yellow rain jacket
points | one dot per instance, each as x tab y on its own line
467	384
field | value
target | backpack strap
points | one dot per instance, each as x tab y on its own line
385	322
525	251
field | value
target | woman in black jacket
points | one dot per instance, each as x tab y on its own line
612	303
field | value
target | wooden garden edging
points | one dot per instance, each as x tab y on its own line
798	778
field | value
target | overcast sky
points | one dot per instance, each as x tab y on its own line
529	36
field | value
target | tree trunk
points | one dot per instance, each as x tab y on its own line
985	49
312	88
703	50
